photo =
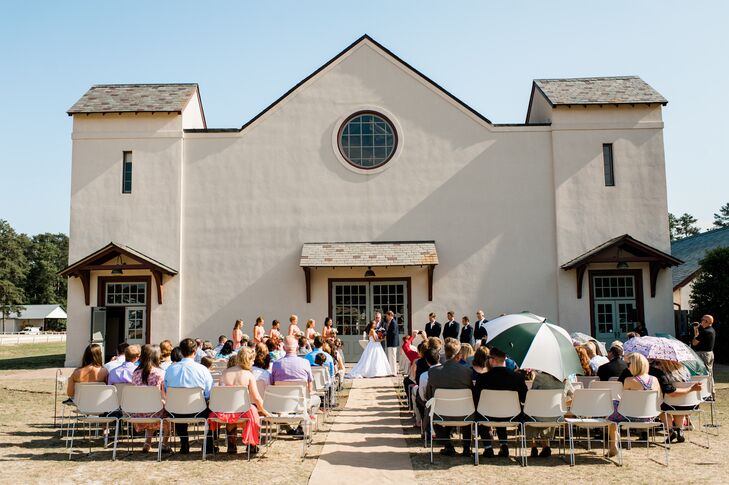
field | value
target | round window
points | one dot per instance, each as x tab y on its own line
367	140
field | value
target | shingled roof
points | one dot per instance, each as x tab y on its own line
599	90
134	98
692	250
405	253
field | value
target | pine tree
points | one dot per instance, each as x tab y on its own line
722	218
710	295
13	270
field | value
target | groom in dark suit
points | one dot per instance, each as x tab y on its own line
432	328
392	340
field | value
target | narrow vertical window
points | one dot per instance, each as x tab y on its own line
127	173
607	156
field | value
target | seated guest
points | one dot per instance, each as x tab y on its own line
118	359
498	378
175	355
432	359
149	373
320	360
311	356
407	346
165	349
639	380
479	364
465	355
208	349
226	351
123	373
450	375
221	341
199	353
294	368
584	361
273	350
92	369
595	360
667	373
188	373
542	380
207	362
304	347
616	365
410	378
241	375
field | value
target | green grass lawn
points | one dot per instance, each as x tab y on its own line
32	356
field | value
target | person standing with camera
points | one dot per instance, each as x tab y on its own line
703	344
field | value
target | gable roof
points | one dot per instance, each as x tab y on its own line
362	40
692	249
112	250
627	243
37	312
135	98
598	90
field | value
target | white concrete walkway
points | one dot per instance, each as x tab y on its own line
366	443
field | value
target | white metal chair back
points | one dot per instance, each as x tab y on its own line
499	404
97	399
692	399
453	403
577	385
320	378
592	403
640	404
302	384
185	400
612	379
705	385
120	387
141	399
544	403
229	399
283	400
586	380
616	388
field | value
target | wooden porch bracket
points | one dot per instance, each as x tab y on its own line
307	278
431	269
159	280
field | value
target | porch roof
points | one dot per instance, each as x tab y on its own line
376	253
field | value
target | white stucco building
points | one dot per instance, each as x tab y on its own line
563	215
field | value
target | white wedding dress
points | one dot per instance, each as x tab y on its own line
372	363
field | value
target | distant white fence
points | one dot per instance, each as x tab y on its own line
39	338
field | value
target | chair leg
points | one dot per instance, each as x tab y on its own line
620	446
116	437
572	445
73	433
159	440
205	440
475	434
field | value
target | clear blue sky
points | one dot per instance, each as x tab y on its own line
245	56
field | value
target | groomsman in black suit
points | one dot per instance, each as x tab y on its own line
479	326
452	329
467	332
432	328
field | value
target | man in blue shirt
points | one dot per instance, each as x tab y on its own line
188	373
311	356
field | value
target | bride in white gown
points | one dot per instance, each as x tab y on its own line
373	362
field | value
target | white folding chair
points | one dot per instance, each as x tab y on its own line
707	395
451	407
94	403
586	380
640	408
686	405
544	409
501	409
322	387
229	399
591	408
69	409
287	405
188	401
261	385
311	400
615	387
142	400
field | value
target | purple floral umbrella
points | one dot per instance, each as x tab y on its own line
661	348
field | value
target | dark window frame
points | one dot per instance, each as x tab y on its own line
395	138
608	161
127	172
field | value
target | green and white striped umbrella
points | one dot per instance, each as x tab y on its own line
534	343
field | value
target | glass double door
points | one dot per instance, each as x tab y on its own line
615	307
355	304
